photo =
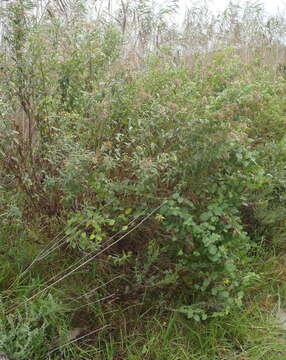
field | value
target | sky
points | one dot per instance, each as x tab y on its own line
271	6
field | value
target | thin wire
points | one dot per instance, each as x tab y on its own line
87	261
47	251
94	302
90	254
97	288
80	338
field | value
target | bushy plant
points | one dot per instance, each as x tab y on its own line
31	332
106	141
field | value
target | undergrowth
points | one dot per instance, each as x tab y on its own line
146	189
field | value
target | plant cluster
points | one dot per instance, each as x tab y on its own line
169	172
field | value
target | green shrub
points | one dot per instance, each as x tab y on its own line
204	142
31	332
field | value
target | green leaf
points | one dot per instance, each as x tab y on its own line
83	235
212	249
206	216
197	317
224	294
204	316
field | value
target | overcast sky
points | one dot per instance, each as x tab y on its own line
271	6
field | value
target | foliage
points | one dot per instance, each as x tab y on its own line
170	168
29	333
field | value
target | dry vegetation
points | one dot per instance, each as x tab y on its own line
142	181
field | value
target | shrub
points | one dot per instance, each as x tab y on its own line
30	333
109	141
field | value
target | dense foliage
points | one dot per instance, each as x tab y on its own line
166	174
